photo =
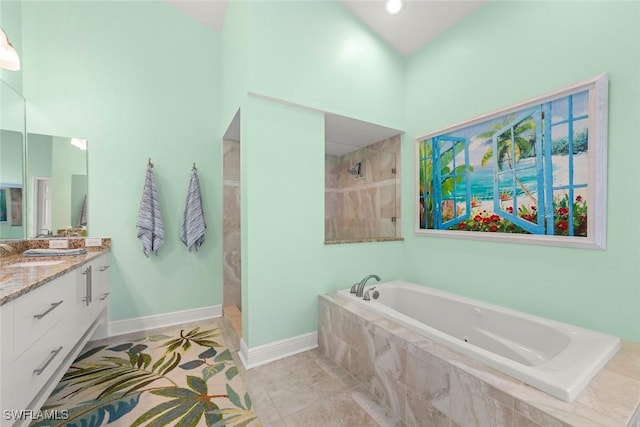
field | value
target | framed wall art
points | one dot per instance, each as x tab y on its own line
534	172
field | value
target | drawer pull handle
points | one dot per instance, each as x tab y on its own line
103	268
53	305
52	356
88	290
104	296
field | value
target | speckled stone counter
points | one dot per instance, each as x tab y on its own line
426	383
17	281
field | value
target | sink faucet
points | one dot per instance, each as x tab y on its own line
363	282
41	234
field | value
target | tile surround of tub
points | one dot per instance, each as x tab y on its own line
231	226
425	383
364	208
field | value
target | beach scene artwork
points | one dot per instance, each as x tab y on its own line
524	172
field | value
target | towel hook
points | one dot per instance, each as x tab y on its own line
150	164
194	166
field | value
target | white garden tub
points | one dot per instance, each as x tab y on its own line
555	357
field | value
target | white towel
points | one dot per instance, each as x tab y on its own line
150	226
193	224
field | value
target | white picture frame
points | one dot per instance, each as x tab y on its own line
551	154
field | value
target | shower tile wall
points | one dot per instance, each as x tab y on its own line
231	244
364	208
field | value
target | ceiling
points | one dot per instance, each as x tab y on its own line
418	22
343	135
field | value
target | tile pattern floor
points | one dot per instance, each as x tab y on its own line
304	390
182	374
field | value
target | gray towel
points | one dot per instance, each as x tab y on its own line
193	224
53	252
150	227
82	218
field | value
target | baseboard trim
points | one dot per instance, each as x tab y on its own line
137	324
256	356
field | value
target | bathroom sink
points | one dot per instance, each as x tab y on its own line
34	263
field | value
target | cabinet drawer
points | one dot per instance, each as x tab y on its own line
38	310
38	363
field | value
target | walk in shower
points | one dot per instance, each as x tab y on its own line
362	181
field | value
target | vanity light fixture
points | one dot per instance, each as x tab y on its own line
394	6
9	59
80	143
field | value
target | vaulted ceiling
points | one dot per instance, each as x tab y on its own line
418	22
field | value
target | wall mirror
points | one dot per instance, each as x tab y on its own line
56	182
12	125
362	181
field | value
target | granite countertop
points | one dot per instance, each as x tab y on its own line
18	281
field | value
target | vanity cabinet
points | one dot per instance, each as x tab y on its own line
43	331
41	339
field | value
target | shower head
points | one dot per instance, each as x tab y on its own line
355	169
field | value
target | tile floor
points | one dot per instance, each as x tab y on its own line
233	314
305	390
308	390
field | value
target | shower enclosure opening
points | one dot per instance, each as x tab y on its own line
362	181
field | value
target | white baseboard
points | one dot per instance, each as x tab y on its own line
127	326
256	356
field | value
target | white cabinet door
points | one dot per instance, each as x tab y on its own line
39	310
6	361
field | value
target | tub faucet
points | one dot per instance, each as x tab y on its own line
371	292
363	282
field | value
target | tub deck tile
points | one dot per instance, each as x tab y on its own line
472	403
627	361
420	412
547	410
429	378
478	394
612	393
362	366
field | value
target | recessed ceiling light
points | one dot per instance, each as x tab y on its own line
394	6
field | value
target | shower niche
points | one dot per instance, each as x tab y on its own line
362	181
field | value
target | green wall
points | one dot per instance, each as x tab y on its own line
282	214
318	54
138	80
334	64
504	53
234	59
143	91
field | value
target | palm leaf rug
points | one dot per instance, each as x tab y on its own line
186	377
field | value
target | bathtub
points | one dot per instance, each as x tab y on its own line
555	357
